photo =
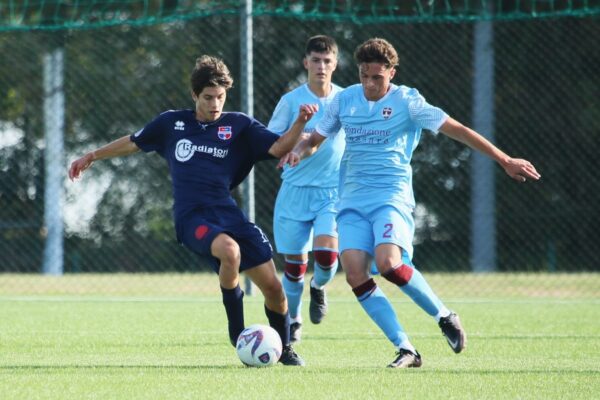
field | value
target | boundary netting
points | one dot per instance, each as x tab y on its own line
23	15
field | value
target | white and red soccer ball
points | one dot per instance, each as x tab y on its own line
259	346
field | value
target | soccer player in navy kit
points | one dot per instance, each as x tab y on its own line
209	153
383	124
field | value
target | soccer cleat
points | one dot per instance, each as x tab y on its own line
406	359
318	305
295	332
289	357
454	332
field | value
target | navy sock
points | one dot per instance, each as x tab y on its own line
234	308
281	323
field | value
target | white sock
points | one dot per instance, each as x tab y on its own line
406	345
444	312
313	284
297	319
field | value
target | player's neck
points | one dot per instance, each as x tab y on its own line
320	89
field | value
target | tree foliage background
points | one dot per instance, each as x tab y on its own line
120	77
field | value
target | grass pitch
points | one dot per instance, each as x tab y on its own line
154	337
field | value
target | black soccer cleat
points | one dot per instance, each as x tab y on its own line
289	357
406	359
295	332
454	332
318	305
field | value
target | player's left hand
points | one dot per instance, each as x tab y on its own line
290	158
307	111
521	170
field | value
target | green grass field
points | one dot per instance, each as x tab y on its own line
164	337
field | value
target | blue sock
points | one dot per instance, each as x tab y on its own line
234	308
379	308
323	276
421	293
293	291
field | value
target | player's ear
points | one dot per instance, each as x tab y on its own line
305	62
392	73
194	97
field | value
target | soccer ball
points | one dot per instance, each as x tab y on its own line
258	346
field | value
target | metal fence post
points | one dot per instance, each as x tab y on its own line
54	123
247	89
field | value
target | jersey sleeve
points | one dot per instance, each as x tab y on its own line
330	124
423	114
259	140
152	136
282	115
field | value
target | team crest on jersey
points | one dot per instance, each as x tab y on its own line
224	132
386	112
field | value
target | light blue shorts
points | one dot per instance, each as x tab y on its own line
386	224
301	213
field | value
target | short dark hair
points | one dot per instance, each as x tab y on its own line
321	44
376	50
210	71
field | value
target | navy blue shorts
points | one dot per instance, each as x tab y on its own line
198	229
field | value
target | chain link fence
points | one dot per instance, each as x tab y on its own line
117	78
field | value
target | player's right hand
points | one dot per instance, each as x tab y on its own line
291	158
521	170
80	165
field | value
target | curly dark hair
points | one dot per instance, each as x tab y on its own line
210	71
376	50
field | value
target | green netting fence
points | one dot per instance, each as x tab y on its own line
67	14
127	61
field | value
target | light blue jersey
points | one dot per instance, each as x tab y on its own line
380	139
322	168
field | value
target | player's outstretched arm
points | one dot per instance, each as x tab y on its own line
287	141
305	147
120	147
517	168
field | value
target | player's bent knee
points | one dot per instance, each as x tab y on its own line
295	270
399	275
325	258
227	251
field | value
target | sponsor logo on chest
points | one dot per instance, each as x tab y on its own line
185	149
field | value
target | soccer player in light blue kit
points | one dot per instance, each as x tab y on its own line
383	124
305	211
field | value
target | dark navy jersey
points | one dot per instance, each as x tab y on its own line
206	160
